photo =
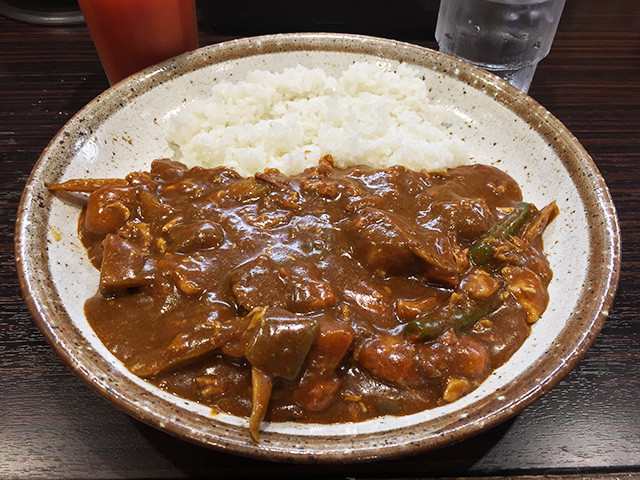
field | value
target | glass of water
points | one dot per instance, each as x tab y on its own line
505	37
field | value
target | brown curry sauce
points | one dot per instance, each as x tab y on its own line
335	295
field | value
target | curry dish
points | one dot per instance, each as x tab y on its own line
335	295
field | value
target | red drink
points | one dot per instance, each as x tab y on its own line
133	34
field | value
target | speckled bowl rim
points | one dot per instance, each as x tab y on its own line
560	358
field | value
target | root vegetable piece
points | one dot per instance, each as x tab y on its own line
281	343
261	385
86	185
319	384
123	266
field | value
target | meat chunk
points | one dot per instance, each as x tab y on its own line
108	209
386	243
457	355
390	359
168	170
479	285
403	362
469	218
257	284
197	235
288	282
411	309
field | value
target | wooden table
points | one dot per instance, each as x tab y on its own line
53	426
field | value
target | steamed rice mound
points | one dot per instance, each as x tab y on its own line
288	120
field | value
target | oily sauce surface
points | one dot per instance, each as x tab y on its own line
334	295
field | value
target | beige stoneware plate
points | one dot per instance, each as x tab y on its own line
124	129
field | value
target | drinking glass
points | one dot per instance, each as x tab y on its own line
505	37
130	35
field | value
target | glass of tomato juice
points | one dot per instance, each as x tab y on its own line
130	35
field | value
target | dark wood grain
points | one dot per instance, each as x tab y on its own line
53	426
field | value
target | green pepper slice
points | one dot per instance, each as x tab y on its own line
481	251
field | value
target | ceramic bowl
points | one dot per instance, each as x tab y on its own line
124	128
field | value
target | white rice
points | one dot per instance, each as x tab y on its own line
289	120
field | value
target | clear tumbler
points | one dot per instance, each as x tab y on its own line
505	37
